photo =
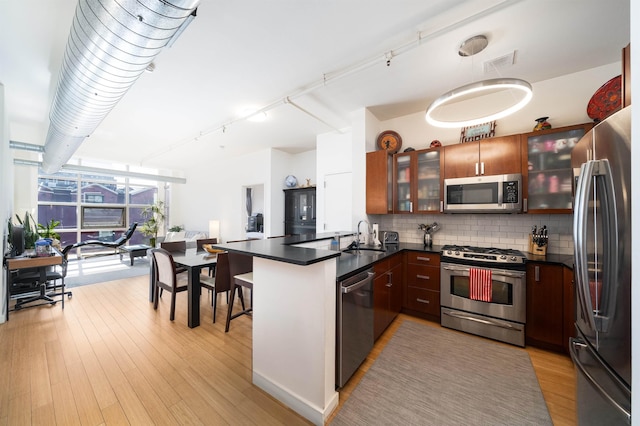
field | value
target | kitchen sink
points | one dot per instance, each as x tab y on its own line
366	251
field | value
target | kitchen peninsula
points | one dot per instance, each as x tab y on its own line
294	323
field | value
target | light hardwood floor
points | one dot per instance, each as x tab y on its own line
109	358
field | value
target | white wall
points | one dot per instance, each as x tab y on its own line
217	191
334	156
635	208
6	191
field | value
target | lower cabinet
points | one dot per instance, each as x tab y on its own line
549	306
387	292
422	285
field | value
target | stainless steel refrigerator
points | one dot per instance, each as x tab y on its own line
601	350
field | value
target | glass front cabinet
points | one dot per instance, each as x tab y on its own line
549	176
417	182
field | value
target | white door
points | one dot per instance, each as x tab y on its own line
337	202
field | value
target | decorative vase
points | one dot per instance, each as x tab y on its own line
543	124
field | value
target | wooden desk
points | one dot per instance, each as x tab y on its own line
13	264
193	261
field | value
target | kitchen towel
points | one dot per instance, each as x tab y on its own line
480	286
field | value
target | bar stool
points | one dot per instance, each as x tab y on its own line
241	270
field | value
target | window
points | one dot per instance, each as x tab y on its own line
103	217
95	197
94	206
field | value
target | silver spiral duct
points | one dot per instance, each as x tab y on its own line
110	45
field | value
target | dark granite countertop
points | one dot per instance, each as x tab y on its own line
284	250
560	259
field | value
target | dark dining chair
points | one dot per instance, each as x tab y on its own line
200	243
220	282
174	246
165	278
240	276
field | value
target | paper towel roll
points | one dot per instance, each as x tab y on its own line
376	237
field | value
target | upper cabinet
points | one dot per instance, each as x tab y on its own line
379	182
493	156
548	182
417	182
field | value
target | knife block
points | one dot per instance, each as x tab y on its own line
535	249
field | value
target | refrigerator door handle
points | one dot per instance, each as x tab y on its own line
574	346
611	246
580	227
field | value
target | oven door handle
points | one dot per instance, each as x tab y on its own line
494	323
502	273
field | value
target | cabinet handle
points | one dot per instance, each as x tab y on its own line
411	206
388	285
476	169
482	168
536	273
422	300
426	259
441	206
525	205
423	277
389	279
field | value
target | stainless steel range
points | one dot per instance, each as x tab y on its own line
483	292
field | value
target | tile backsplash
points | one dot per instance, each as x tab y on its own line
484	230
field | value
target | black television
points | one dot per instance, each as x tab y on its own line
17	240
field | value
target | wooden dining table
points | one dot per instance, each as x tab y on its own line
193	261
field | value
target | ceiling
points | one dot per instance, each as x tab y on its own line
310	64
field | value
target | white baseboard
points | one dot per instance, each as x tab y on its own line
309	411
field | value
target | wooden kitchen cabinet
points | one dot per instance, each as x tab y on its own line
550	306
493	156
387	293
379	181
548	180
417	181
422	285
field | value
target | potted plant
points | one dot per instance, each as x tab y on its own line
49	231
176	228
30	230
153	215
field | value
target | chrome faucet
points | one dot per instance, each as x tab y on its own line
358	235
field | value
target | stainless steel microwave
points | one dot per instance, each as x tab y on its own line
483	194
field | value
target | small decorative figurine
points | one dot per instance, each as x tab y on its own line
543	124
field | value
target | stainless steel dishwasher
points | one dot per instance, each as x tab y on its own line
354	325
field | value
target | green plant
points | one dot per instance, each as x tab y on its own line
176	228
48	230
154	216
30	230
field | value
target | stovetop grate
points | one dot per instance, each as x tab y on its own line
482	255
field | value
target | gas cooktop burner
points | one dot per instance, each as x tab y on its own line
483	254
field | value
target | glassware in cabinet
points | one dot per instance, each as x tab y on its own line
549	170
403	193
428	193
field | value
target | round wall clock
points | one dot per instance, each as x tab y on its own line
389	141
291	181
